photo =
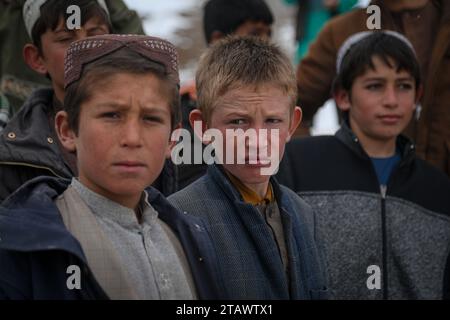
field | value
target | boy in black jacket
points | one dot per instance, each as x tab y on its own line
383	213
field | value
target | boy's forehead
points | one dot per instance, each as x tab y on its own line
31	12
92	22
144	90
253	89
245	97
379	64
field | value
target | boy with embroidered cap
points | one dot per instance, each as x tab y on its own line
263	231
31	131
384	214
121	105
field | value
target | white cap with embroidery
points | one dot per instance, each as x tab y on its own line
32	11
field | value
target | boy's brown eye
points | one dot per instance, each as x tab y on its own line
97	31
373	86
64	39
237	121
406	86
111	115
154	119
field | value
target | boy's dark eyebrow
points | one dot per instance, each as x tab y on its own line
62	30
100	26
112	104
408	78
120	106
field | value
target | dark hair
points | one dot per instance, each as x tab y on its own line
384	46
123	60
53	10
227	15
237	61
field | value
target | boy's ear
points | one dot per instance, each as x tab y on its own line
65	134
173	141
296	119
34	59
342	99
419	93
196	116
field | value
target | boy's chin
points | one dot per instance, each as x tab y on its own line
126	188
388	134
250	174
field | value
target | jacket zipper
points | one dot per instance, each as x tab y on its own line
383	190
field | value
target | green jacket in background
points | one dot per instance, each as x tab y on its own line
311	17
17	80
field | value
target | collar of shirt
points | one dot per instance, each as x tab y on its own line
110	210
248	194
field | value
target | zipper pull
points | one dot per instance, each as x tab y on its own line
383	190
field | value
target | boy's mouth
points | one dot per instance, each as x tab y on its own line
258	162
390	119
129	166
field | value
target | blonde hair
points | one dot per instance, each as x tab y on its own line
238	62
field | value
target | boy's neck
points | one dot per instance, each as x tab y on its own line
59	94
131	202
251	193
375	148
99	202
378	149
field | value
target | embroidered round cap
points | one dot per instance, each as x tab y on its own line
32	11
83	52
353	39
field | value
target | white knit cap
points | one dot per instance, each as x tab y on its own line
32	11
353	39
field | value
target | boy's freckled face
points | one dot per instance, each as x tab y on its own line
123	136
382	102
55	43
245	108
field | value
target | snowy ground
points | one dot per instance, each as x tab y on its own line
162	17
179	21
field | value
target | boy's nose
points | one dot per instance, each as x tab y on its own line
261	139
131	135
390	97
81	33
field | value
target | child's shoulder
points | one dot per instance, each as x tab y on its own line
311	152
431	186
202	188
292	201
310	146
295	205
37	191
